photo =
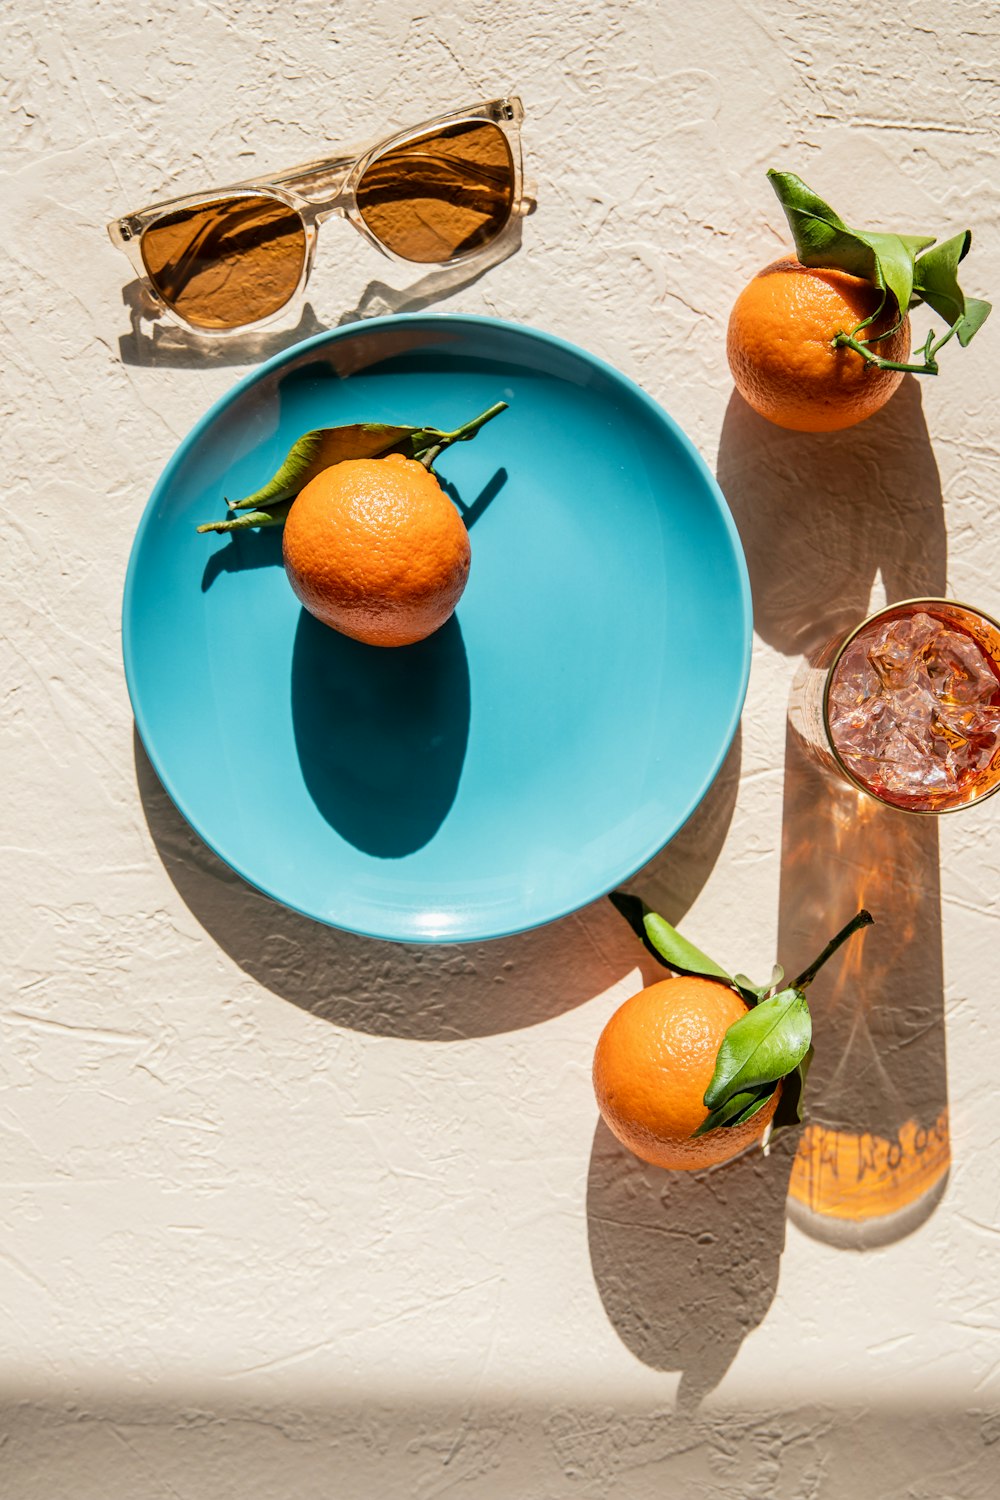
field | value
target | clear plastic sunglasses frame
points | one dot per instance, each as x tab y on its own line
316	191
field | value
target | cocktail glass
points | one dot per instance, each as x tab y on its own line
906	705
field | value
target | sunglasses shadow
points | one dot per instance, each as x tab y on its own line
380	300
156	341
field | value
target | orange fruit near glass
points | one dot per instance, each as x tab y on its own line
692	1071
782	354
654	1061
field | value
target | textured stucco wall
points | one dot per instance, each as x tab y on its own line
291	1213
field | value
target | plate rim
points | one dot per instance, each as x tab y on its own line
472	320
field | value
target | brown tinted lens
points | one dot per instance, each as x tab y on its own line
440	195
227	261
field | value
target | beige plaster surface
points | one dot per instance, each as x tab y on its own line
289	1213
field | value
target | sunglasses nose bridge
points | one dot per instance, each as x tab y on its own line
329	210
321	185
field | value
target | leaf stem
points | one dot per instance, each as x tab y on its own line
460	435
247	518
872	316
863	919
848	341
879	337
933	349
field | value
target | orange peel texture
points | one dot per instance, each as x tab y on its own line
374	548
654	1061
781	351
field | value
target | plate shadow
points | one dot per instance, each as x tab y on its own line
421	992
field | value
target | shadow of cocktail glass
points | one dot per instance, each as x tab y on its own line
687	1264
873	1158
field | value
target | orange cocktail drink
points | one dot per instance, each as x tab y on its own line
907	705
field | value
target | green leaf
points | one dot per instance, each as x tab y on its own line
761	1047
898	263
740	1105
935	278
789	1110
916	242
754	993
976	313
757	1102
894	261
326	446
678	952
319	450
635	912
632	908
822	239
821	236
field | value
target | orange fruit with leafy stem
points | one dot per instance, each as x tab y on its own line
374	548
820	340
372	545
693	1070
783	355
653	1063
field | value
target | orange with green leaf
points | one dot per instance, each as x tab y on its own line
693	1070
372	545
821	340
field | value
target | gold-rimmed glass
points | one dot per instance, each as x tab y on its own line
810	710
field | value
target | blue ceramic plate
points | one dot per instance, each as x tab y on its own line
530	755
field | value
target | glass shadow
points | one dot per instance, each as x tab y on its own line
381	734
873	1158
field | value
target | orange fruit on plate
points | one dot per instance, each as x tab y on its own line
374	548
654	1061
783	358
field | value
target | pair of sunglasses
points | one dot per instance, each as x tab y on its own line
436	194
